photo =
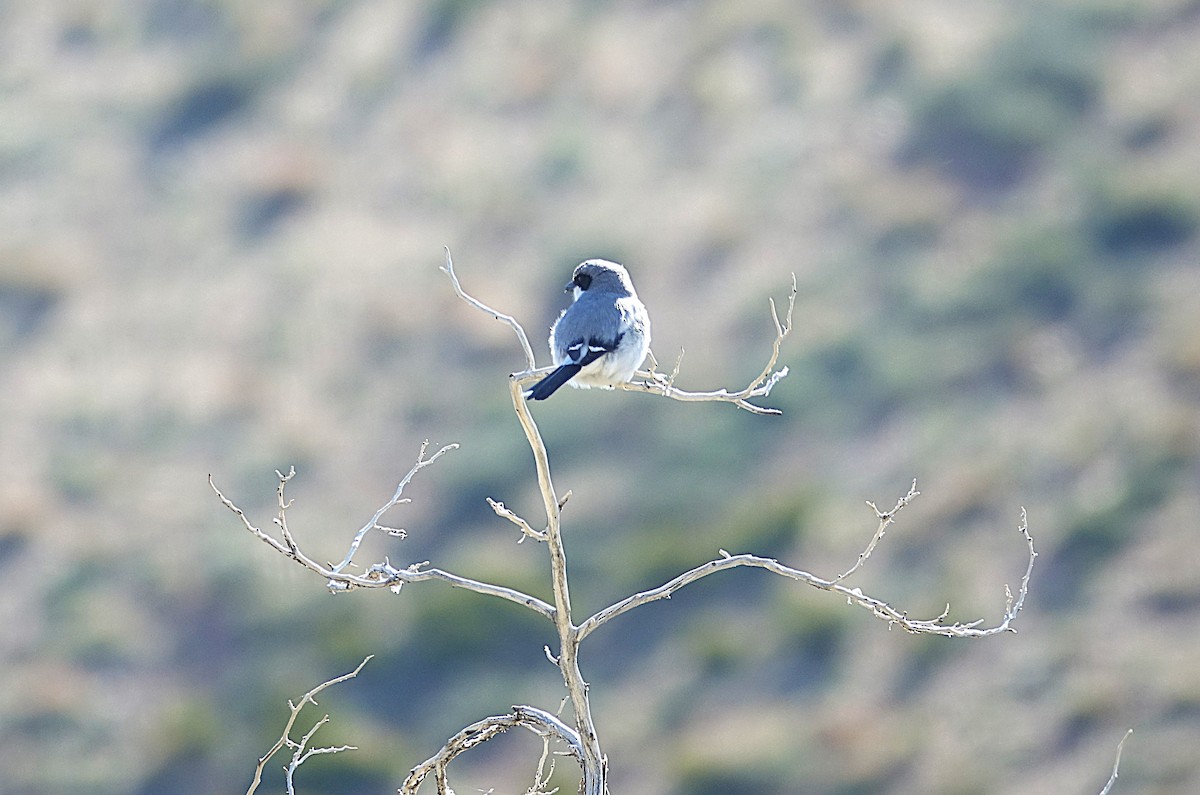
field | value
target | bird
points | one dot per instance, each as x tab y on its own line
602	337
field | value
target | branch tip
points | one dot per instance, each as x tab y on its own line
760	387
300	750
1112	779
522	338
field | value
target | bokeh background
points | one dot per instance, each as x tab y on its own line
220	231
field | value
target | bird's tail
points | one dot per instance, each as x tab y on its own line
550	384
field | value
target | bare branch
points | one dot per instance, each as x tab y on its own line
878	607
300	750
379	575
668	381
885	520
1116	764
396	499
538	721
300	755
660	384
592	760
542	776
448	269
526	529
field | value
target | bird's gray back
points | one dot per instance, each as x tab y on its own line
595	316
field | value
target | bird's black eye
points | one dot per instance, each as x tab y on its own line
583	281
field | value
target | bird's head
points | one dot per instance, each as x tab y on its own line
600	275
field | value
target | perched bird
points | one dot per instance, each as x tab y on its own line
602	337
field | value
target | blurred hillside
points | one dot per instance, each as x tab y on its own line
220	231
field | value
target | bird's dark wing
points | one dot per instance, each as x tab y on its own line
580	354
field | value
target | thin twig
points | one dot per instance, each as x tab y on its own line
448	269
885	520
669	381
396	499
300	750
302	753
660	384
1116	764
542	776
379	575
526	529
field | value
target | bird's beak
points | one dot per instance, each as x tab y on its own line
569	287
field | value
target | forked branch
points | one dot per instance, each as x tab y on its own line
885	520
378	575
878	607
396	499
302	751
662	384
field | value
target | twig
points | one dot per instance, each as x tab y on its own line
542	776
379	575
878	607
448	269
885	520
669	381
396	499
538	721
526	530
660	384
300	750
1116	764
300	755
